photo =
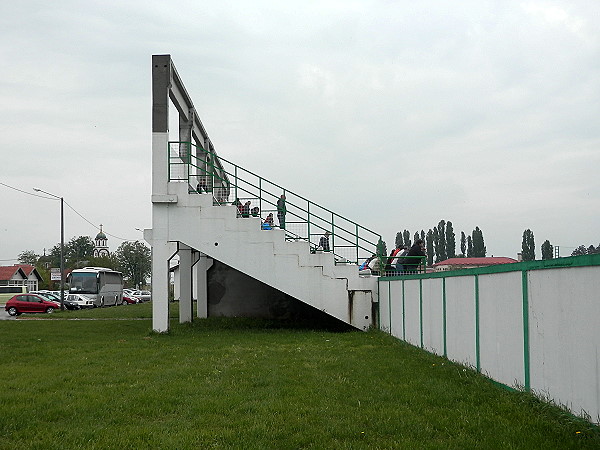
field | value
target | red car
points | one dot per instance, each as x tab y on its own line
29	303
129	300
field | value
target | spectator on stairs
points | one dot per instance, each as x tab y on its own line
412	263
246	209
374	265
365	265
324	242
201	187
268	223
400	261
281	211
238	204
391	262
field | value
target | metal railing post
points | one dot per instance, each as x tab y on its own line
308	222
235	177
260	196
332	233
356	243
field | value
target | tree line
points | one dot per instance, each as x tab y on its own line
528	248
440	242
132	258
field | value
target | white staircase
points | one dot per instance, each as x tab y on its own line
289	266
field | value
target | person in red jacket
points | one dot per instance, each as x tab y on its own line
391	262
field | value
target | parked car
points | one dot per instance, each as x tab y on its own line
47	295
144	296
50	296
130	299
29	303
81	300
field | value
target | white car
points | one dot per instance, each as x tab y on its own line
144	296
81	300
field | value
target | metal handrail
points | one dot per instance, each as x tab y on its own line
349	241
383	263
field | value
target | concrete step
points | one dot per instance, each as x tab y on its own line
266	256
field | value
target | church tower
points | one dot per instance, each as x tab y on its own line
101	247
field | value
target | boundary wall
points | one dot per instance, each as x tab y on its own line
533	326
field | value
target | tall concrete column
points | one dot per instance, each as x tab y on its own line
161	252
185	283
158	236
161	76
201	268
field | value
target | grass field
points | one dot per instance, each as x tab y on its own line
251	384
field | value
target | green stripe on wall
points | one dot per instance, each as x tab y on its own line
526	368
477	355
403	314
570	261
421	309
444	315
390	304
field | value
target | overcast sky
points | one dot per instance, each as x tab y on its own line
396	114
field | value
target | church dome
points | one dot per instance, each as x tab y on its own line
101	236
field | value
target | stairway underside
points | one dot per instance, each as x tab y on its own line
265	255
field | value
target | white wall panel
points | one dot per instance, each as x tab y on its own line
412	312
433	315
384	307
565	336
460	319
501	327
397	314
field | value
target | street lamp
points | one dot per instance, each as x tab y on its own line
62	247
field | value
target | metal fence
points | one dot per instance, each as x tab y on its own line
393	266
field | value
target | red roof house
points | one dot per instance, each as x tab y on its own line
470	263
20	275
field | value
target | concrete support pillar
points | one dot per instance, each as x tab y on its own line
185	126
161	252
161	79
201	268
185	284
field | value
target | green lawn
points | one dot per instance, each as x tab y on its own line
241	383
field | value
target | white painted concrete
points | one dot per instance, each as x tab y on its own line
412	312
555	354
565	336
395	301
433	317
460	320
200	283
185	284
384	307
264	255
501	327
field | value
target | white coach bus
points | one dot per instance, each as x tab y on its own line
103	286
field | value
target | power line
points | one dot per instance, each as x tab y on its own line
28	193
94	225
72	209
